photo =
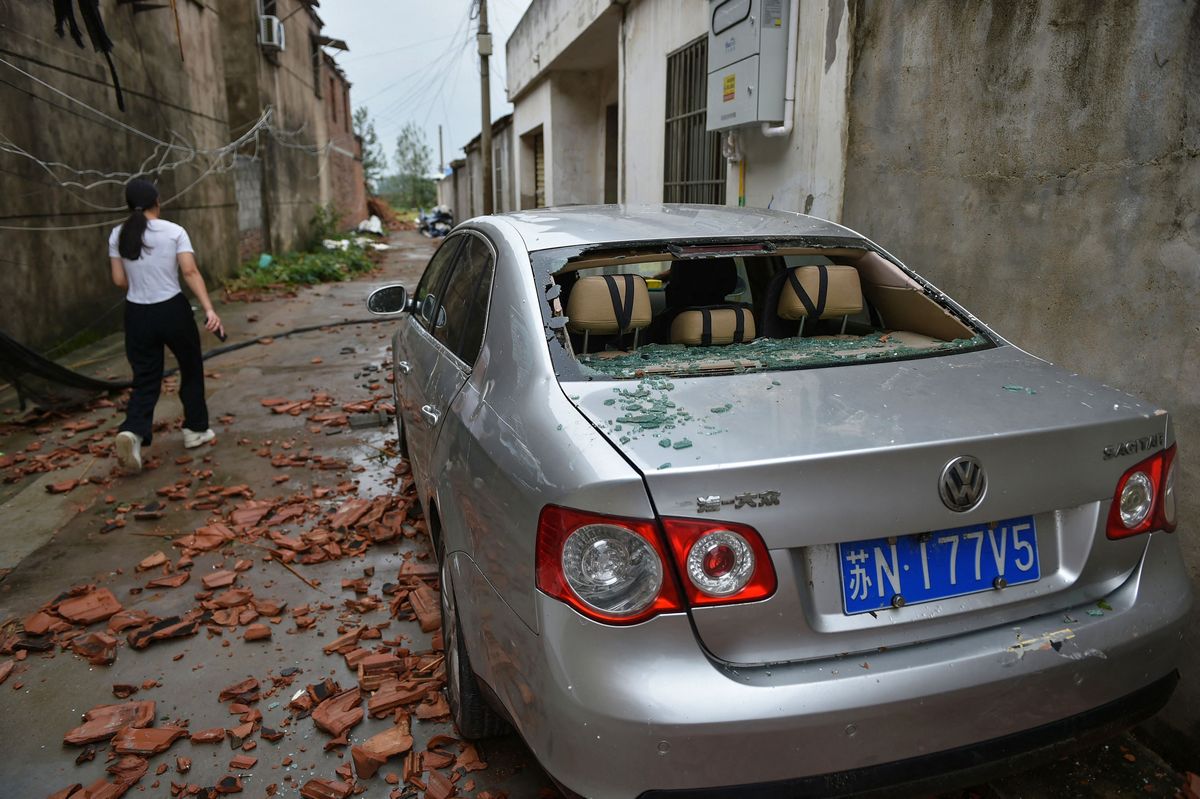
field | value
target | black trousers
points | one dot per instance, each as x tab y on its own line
149	328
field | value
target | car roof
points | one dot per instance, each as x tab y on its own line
573	226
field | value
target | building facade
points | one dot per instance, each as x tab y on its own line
1039	160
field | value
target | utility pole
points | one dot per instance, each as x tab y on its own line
485	135
441	154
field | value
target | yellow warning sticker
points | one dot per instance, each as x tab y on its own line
730	87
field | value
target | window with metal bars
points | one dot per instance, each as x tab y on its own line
693	167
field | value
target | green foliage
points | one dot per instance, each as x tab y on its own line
411	187
324	224
304	269
374	160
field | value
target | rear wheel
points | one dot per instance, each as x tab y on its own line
472	715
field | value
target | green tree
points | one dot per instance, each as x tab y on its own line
414	162
373	157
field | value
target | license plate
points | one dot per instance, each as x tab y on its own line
886	572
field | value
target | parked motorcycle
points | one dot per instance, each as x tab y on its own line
437	223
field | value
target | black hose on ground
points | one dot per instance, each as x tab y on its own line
52	385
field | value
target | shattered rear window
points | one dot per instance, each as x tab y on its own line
892	313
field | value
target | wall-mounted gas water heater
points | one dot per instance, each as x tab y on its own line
747	61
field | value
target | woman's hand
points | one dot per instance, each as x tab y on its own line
212	323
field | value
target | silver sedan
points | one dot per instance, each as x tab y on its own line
733	501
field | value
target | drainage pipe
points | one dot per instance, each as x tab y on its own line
789	89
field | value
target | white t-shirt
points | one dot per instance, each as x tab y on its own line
155	276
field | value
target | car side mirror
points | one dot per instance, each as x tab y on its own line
388	300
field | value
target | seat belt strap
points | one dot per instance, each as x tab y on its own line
739	325
705	327
817	308
622	306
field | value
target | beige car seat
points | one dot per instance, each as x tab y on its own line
823	292
713	325
610	305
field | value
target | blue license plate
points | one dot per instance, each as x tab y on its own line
886	572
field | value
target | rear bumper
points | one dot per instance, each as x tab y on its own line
642	711
966	765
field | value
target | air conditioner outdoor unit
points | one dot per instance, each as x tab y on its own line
270	33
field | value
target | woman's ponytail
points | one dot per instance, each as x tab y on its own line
139	195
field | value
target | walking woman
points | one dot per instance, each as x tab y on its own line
148	254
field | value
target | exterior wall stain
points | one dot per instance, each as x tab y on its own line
1039	161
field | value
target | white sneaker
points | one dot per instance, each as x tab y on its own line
129	451
192	439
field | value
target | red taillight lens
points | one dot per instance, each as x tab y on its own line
609	568
1145	497
720	563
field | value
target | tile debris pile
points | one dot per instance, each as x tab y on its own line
394	682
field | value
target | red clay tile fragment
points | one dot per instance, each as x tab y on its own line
146	741
269	607
257	632
92	607
376	750
240	733
242	762
62	488
170	581
440	786
100	649
128	769
184	764
219	579
245	691
228	784
428	608
124	691
232	598
339	713
68	792
40	623
103	721
126	619
212	735
206	538
6	669
172	627
325	789
152	561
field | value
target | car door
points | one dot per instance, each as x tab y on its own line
461	315
415	352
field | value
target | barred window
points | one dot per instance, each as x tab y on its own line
693	167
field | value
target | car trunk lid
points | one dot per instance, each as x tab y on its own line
813	458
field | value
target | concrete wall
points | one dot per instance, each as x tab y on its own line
1040	161
530	112
805	171
56	281
578	101
652	31
547	28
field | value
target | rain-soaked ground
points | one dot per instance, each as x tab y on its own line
291	556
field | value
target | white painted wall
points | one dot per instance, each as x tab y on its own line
529	111
653	29
578	101
811	162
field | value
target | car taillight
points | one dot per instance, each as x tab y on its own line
610	569
721	563
1145	498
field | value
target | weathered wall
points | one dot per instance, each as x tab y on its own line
348	185
1040	161
652	31
530	112
56	281
805	171
547	28
577	107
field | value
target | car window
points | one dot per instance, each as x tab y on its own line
465	300
430	285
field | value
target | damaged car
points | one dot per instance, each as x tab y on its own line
733	502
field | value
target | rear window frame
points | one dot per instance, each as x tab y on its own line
568	369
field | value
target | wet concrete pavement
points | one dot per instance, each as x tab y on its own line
50	542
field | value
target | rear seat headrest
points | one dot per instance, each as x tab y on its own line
713	325
701	282
823	292
608	304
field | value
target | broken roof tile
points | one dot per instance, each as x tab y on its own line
91	607
103	721
246	691
212	735
242	762
257	632
339	713
219	579
172	627
147	740
325	789
170	581
100	649
151	561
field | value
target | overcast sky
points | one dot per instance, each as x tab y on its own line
417	61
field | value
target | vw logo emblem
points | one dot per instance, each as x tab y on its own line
963	484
